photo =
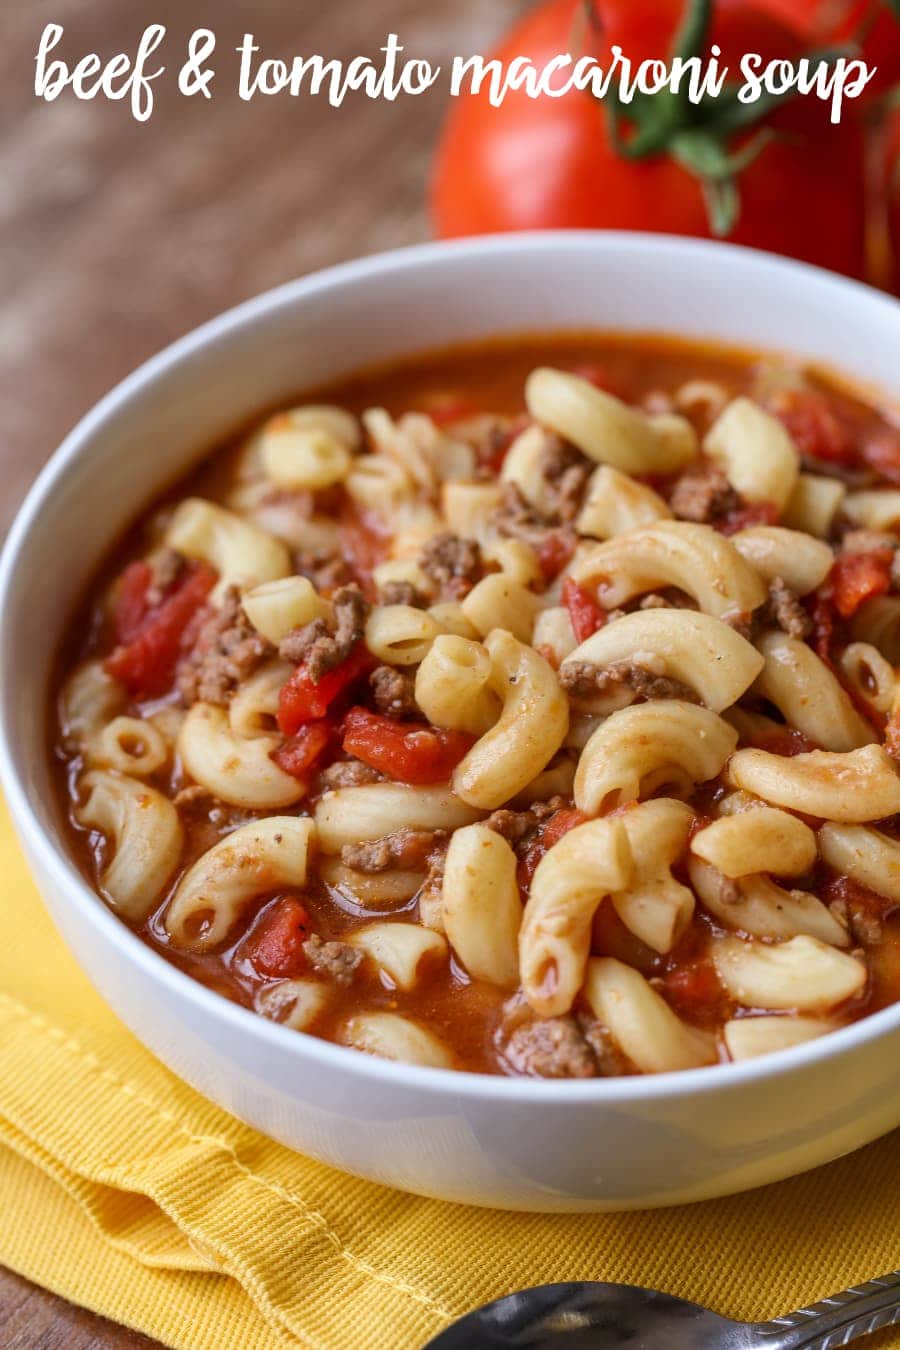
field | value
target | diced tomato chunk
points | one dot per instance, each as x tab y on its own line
300	752
363	544
131	605
546	835
745	517
693	987
554	552
857	577
303	700
814	425
585	612
275	945
882	453
146	663
408	752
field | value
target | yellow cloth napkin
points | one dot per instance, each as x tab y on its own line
125	1191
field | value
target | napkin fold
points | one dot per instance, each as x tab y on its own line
125	1191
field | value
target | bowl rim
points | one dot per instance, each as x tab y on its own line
92	911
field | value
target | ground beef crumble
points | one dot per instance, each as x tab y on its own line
227	650
402	593
517	826
583	680
453	563
552	1047
785	610
406	848
321	646
566	473
323	569
394	693
347	773
336	960
703	494
515	519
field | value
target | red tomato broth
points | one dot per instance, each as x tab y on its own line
465	1013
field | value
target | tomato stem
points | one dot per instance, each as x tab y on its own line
698	137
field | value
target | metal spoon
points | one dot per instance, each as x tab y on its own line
590	1316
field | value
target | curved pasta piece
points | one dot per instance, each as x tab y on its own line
755	450
750	1037
353	814
90	698
499	602
390	1036
482	909
665	744
146	837
761	839
869	675
131	745
656	907
517	560
398	948
800	561
640	1021
258	858
294	1003
615	503
866	856
303	458
276	608
814	503
875	510
237	769
696	649
573	877
400	635
803	974
336	421
453	685
694	558
242	554
254	708
606	429
764	909
530	729
386	890
808	695
523	466
878	622
553	634
379	484
857	786
469	509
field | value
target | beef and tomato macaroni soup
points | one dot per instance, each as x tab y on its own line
527	709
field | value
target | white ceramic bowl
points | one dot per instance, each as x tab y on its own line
518	1143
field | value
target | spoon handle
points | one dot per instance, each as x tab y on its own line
836	1320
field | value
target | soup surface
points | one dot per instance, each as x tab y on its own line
528	708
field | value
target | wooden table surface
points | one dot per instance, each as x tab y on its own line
117	237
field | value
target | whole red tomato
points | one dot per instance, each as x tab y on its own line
873	24
551	162
892	195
